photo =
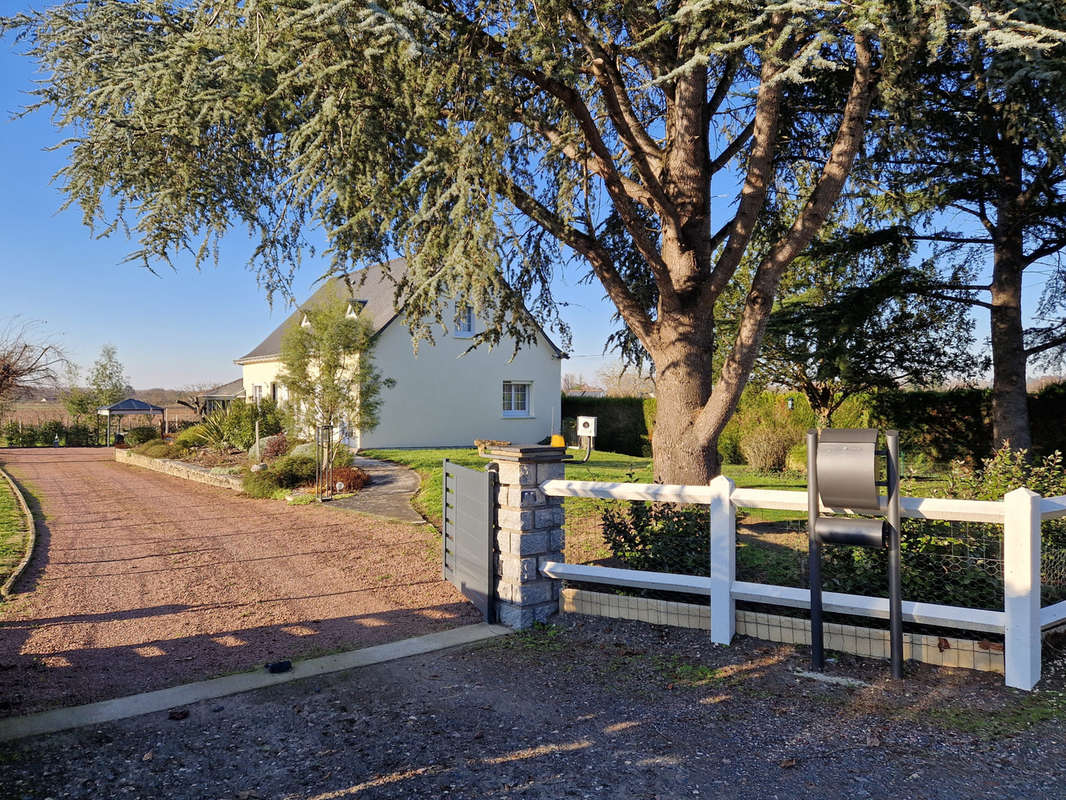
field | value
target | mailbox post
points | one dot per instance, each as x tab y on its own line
842	472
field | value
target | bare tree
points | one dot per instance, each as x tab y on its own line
574	382
622	380
27	359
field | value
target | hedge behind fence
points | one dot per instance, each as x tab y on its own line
944	425
622	424
957	423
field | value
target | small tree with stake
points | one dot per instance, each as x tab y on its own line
328	369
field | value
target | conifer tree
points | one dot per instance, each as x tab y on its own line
490	142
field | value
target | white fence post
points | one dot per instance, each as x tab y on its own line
723	560
1021	587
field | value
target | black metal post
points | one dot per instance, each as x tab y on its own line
814	557
895	592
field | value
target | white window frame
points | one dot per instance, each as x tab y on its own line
513	413
465	321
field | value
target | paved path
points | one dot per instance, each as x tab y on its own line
144	581
388	494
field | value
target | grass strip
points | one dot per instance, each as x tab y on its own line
13	531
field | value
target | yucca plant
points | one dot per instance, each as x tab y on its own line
213	431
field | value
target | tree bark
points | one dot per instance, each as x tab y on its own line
682	386
1010	401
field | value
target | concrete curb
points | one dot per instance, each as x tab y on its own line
31	534
62	719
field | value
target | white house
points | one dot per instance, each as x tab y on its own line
444	396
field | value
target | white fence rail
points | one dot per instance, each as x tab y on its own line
1020	513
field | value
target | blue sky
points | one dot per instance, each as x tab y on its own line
171	329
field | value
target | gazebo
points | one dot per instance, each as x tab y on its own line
131	407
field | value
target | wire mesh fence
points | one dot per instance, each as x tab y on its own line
948	563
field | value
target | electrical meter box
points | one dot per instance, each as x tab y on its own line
586	426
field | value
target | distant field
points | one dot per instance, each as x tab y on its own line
29	413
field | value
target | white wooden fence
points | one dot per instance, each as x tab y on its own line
1020	513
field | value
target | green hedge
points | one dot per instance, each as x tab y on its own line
944	425
623	424
957	423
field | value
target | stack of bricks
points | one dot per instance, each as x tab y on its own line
529	532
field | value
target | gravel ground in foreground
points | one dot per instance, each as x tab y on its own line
587	708
142	580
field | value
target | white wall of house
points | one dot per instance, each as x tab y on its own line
443	398
263	374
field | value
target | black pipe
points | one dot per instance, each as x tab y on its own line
895	593
814	557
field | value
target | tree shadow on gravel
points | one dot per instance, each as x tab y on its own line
32	682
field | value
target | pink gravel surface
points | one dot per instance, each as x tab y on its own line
143	581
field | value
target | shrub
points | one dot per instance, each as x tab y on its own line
79	435
26	437
238	423
158	449
275	446
768	430
767	447
729	443
660	537
212	431
11	433
343	456
190	437
49	431
353	478
292	470
141	434
260	484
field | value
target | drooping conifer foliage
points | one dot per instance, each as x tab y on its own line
491	142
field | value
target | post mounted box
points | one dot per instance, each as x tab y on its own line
586	426
847	469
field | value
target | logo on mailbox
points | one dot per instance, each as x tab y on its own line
586	426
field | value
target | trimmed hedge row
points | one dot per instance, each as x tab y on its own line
957	423
623	423
943	425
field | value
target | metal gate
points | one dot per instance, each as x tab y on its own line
469	523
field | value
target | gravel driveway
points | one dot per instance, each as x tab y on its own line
588	709
144	581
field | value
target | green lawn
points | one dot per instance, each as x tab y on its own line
601	467
12	531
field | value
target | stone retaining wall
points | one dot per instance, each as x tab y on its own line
179	469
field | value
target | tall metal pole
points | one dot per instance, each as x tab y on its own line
895	592
814	558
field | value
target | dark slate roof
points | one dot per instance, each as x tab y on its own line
130	406
376	290
231	389
375	293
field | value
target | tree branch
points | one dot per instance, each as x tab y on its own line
629	307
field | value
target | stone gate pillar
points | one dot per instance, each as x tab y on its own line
529	532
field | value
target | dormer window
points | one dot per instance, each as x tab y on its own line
464	320
354	307
305	322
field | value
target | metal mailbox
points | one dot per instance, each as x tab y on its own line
842	473
847	468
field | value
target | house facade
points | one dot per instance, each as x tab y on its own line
443	395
